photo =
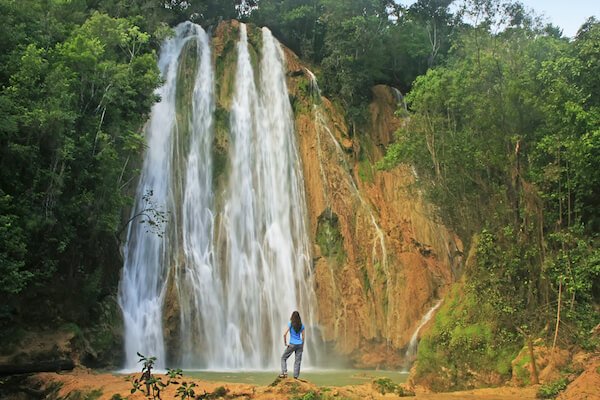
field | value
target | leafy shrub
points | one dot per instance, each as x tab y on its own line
310	395
220	392
551	390
384	385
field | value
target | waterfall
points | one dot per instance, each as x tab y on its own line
263	226
411	350
147	255
197	280
399	98
231	266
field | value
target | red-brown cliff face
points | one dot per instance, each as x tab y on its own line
381	260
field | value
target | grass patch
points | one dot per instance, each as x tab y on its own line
329	237
385	385
80	395
366	171
310	395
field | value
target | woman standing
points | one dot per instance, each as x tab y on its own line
296	330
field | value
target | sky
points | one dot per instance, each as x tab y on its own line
568	15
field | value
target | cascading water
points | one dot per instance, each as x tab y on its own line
147	255
411	350
240	265
379	249
197	281
263	229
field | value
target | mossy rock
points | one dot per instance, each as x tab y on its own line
186	78
465	337
329	237
103	342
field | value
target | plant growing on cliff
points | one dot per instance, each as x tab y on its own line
152	214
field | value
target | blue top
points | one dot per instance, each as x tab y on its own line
295	337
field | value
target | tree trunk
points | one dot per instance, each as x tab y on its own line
534	371
39	366
557	314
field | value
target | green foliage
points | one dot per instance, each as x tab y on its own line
552	389
521	370
220	391
151	386
296	23
75	89
384	385
186	391
310	395
13	247
503	138
104	335
365	170
359	43
72	328
154	13
466	335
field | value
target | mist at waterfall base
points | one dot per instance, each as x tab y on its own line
233	260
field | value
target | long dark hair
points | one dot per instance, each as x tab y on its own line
296	321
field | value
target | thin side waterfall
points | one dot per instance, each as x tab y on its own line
230	267
411	350
379	239
400	99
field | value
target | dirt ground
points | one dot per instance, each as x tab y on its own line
90	384
86	381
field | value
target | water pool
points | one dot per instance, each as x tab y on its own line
327	377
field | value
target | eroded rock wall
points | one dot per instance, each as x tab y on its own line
381	260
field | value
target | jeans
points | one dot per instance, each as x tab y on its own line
292	348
